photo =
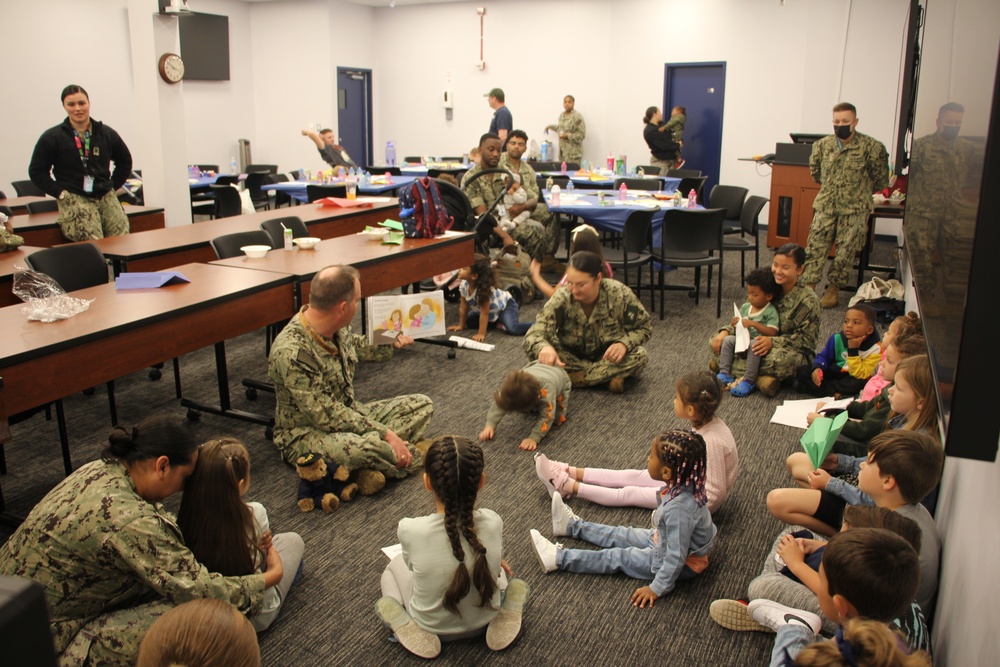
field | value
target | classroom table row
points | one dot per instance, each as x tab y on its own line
41	229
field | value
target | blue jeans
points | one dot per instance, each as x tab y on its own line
508	318
791	639
628	550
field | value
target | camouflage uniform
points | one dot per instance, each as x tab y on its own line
580	341
83	219
9	240
111	563
534	234
848	176
799	315
571	148
316	409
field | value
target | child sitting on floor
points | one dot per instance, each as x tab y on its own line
478	288
861	643
849	358
904	325
696	399
902	468
677	546
760	318
538	388
868	573
447	582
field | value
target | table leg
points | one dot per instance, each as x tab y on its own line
224	408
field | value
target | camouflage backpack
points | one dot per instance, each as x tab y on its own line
512	270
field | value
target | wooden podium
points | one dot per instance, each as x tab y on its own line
792	193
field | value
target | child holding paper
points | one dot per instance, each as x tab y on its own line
902	467
759	316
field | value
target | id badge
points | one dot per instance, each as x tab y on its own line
88	184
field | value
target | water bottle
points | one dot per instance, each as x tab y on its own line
624	159
388	178
390	153
554	196
563	167
585	165
569	185
622	193
611	162
366	180
677	198
352	185
287	233
233	166
692	199
545	151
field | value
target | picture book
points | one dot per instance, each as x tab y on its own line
418	315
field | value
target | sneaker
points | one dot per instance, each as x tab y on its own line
617	385
545	551
414	639
548	471
735	615
769	386
775	615
516	292
506	625
562	516
725	378
742	389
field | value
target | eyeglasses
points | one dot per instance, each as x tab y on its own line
580	285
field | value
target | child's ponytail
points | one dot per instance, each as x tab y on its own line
454	466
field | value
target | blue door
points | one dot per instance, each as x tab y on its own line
354	113
701	88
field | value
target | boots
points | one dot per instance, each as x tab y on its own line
829	299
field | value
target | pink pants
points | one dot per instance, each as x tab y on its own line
620	488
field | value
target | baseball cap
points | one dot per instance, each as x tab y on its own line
496	92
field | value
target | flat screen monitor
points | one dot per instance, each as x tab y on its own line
205	46
805	138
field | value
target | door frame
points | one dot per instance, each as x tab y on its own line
367	140
668	69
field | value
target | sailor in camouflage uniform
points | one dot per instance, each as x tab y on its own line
572	130
312	365
595	327
799	318
110	557
850	167
533	234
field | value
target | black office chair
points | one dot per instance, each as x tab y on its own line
731	198
651	184
281	198
571	166
693	183
691	238
649	170
208	167
451	158
227	180
413	159
296	175
748	238
269	168
228	245
276	232
2	195
635	251
27	189
545	166
74	266
47	206
683	173
227	201
381	169
542	181
6	210
314	192
259	197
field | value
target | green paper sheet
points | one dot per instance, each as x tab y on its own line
394	238
392	224
818	439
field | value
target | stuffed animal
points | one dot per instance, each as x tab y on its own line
321	486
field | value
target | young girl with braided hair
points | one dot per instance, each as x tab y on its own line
456	549
696	399
676	547
483	302
227	534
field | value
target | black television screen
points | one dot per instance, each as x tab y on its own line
805	138
205	46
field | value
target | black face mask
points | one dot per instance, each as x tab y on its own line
950	132
842	131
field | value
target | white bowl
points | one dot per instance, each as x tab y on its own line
377	234
255	251
306	242
879	199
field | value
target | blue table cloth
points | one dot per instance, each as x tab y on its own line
668	183
610	217
297	189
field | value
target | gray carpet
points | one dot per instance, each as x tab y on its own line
571	618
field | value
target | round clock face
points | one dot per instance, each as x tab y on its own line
171	68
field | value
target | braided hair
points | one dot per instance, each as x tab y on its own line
454	466
683	452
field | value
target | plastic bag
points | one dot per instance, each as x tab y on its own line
44	299
878	288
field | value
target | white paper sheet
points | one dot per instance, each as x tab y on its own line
392	551
793	413
742	335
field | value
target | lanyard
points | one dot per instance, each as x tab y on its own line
83	147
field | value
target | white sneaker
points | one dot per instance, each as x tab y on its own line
545	551
562	516
775	615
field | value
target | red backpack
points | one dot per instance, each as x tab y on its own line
421	211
